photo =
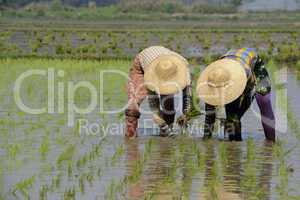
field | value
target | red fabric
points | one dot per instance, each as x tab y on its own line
137	92
136	89
131	126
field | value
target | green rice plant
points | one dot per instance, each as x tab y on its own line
130	45
137	172
219	37
113	189
66	155
266	36
109	34
171	171
43	192
69	194
223	154
213	183
23	187
206	43
178	47
48	38
149	196
249	184
251	150
70	169
293	123
13	150
199	38
148	148
117	155
161	38
99	172
44	147
237	40
298	65
90	178
288	53
56	181
207	59
189	36
59	49
83	36
200	159
81	185
283	172
89	156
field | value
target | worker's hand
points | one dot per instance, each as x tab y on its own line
131	126
165	130
158	120
182	120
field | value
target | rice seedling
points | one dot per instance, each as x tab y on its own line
43	192
298	65
69	194
111	191
150	196
117	155
90	178
56	182
66	155
222	154
282	170
23	186
44	148
213	184
249	180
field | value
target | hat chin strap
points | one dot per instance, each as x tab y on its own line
220	85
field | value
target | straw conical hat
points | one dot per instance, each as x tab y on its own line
167	74
222	82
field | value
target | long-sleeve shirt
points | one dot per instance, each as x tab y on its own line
136	89
258	87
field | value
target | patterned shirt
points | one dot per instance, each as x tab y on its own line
243	55
148	55
257	74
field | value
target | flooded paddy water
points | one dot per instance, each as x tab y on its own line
42	158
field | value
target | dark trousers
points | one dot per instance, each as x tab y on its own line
164	104
167	108
234	112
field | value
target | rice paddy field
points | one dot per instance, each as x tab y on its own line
42	157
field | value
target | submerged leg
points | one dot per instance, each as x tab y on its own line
168	108
233	129
210	118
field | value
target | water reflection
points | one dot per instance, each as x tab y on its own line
174	169
135	190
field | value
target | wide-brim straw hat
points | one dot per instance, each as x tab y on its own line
167	74
222	82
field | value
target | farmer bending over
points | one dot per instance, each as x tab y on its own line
158	73
233	81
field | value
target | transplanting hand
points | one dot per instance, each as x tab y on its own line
165	130
182	121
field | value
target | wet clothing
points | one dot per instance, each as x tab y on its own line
258	87
162	106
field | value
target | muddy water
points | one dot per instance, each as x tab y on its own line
183	167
